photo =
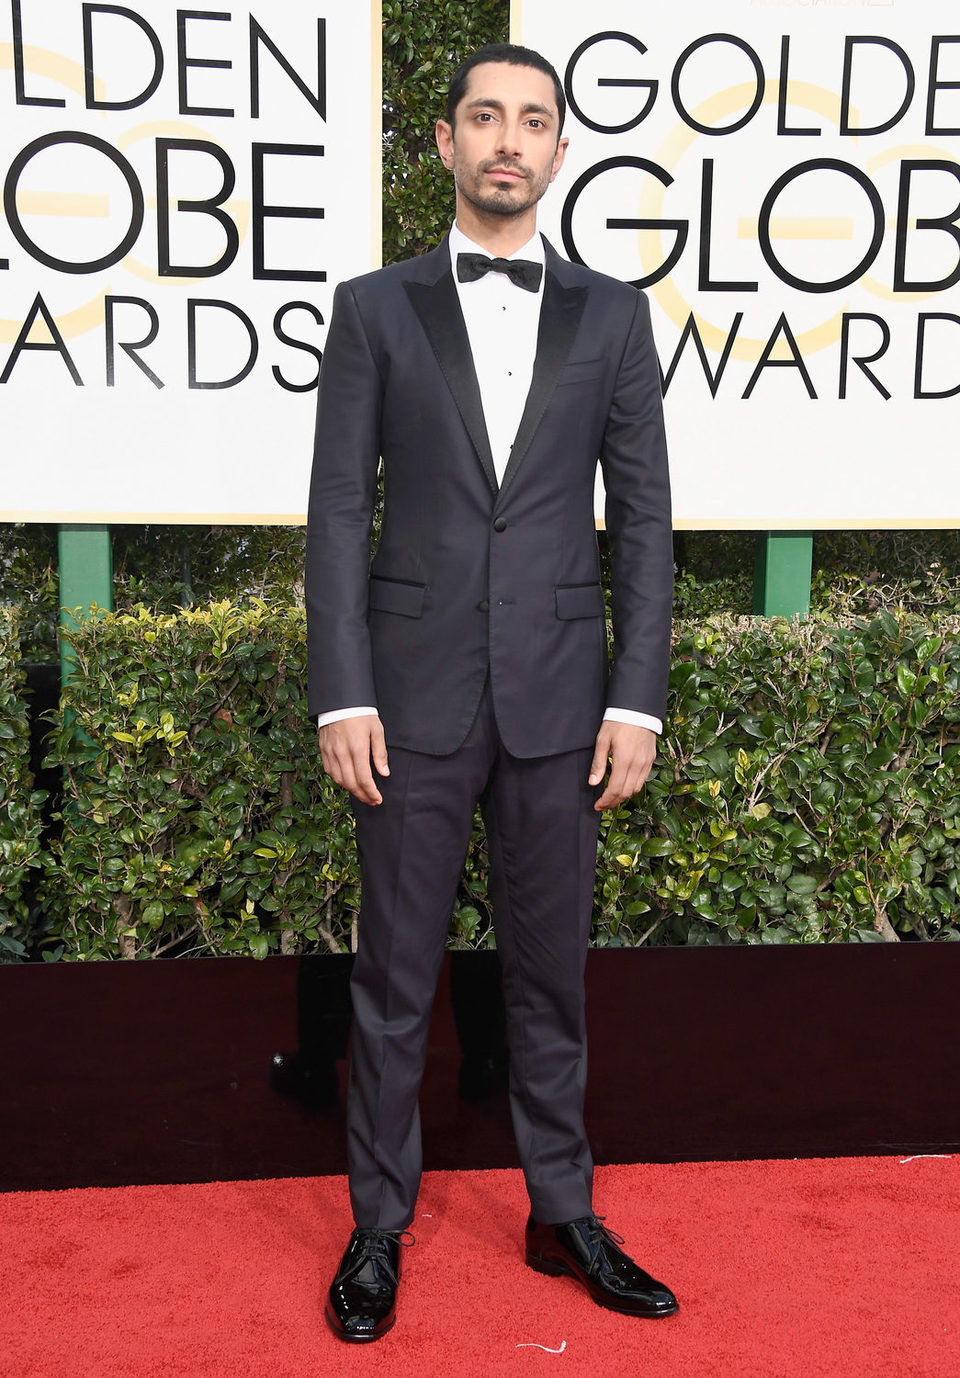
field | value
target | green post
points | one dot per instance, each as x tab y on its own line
782	573
86	578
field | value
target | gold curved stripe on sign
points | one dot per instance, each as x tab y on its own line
44	63
803	94
240	210
69	203
79	321
176	129
892	155
798	227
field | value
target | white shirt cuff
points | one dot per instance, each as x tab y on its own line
341	714
636	719
626	715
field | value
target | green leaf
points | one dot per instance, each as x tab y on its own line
153	914
657	846
906	680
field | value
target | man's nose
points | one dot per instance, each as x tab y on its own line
510	137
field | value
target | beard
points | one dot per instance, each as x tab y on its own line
507	199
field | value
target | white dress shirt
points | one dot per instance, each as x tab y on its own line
502	322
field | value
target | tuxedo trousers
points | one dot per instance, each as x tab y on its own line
542	833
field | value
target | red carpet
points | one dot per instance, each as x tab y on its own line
845	1268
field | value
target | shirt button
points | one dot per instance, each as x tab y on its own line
500	524
483	607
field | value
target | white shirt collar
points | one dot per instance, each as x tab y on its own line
460	244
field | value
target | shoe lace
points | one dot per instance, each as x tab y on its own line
373	1249
599	1231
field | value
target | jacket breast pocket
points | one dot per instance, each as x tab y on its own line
581	371
579	600
396	595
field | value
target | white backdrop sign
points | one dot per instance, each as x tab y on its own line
781	177
182	191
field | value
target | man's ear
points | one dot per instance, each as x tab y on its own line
558	157
444	137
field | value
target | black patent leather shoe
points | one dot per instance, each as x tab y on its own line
363	1295
586	1250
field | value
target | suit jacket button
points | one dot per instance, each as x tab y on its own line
500	524
484	606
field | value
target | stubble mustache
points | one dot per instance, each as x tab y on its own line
500	164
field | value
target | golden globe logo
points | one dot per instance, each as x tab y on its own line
121	200
870	216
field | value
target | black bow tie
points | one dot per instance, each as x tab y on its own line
523	272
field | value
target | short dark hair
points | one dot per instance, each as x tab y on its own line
516	56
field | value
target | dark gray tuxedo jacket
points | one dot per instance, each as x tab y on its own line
470	577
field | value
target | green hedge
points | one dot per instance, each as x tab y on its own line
196	817
808	789
19	802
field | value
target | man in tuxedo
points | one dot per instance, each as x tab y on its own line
468	662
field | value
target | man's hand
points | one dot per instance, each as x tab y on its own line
631	751
347	748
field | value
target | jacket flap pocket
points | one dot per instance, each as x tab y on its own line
579	600
391	595
581	371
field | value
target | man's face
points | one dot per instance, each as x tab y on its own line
504	149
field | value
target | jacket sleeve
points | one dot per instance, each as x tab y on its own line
638	519
343	490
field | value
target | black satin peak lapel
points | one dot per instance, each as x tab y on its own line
438	308
560	313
